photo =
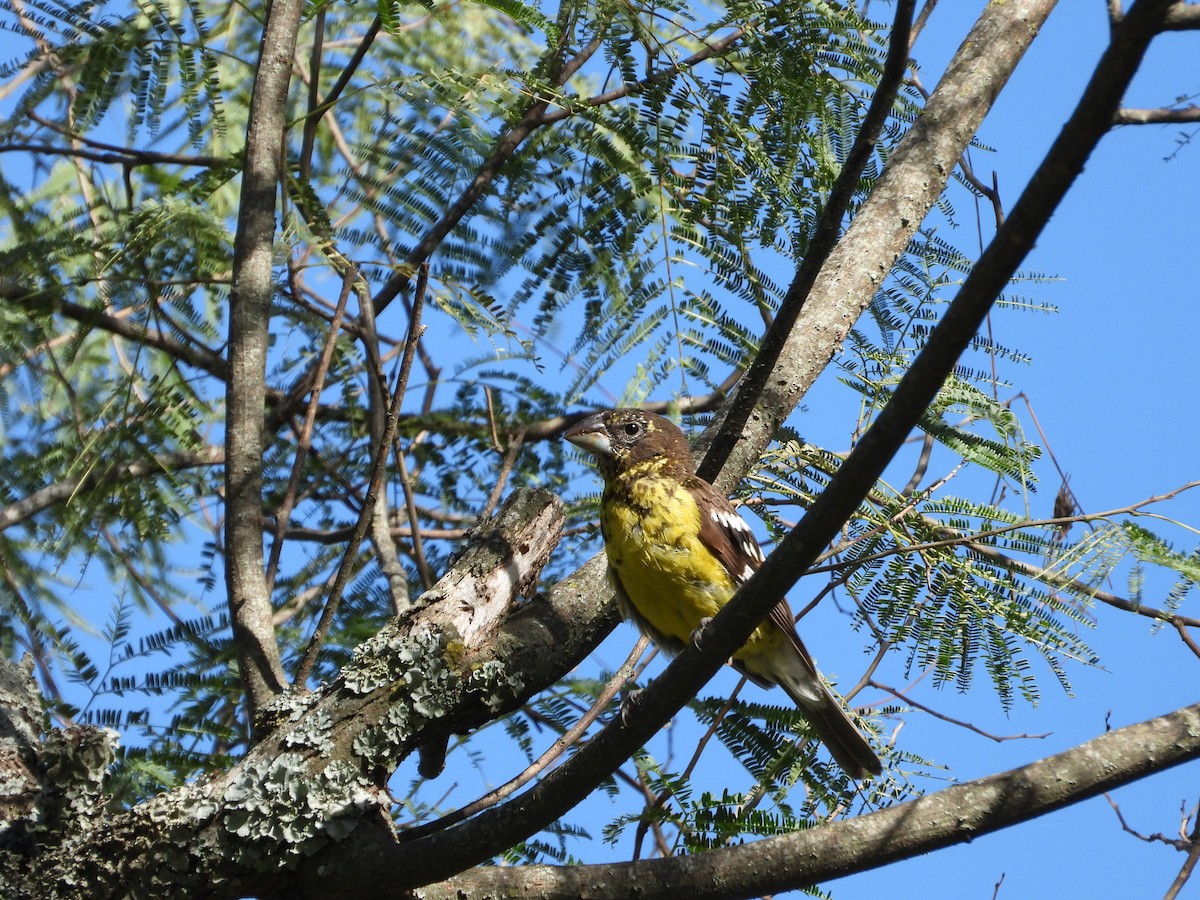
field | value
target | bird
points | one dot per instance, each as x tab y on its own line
678	551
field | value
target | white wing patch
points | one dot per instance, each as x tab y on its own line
740	534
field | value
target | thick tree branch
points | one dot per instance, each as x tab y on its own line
914	178
807	858
259	664
465	654
733	415
1182	17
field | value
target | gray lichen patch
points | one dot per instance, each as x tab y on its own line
282	811
495	683
424	688
315	731
287	707
390	657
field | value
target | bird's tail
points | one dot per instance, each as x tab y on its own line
836	731
793	669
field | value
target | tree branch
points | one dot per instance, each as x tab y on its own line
259	664
439	856
1182	17
807	858
382	449
1163	116
725	432
914	178
458	660
26	508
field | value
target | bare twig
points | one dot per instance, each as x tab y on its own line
410	500
414	530
1188	842
283	516
998	738
553	752
346	568
1163	116
506	465
922	466
1185	636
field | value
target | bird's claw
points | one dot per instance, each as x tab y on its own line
627	701
698	633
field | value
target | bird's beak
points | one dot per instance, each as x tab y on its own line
590	435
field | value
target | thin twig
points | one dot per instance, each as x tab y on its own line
1193	855
998	738
543	762
309	131
506	466
410	506
305	439
360	529
1187	638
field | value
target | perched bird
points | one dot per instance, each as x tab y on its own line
677	552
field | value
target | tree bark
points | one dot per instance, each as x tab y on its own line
466	653
807	858
914	178
246	390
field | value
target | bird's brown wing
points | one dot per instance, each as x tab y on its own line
729	538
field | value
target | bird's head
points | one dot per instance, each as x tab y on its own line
620	439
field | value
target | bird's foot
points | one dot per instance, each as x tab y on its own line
628	699
698	634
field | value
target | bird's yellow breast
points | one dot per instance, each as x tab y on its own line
652	537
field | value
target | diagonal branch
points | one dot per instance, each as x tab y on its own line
726	430
915	176
196	355
441	855
535	116
347	568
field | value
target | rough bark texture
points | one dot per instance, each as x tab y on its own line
462	655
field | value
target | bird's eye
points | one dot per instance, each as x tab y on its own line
631	428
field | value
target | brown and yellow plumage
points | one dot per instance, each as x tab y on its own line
678	551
